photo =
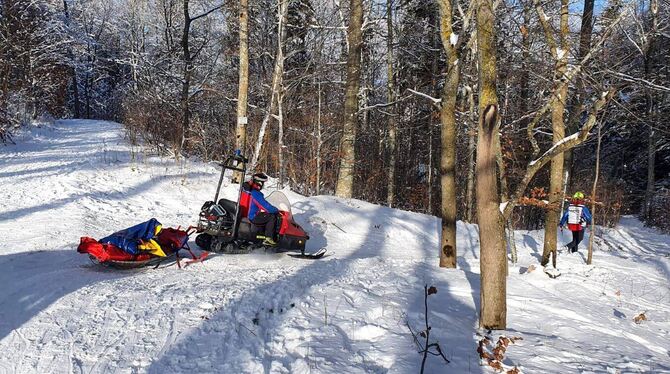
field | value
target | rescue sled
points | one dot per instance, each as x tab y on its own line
145	244
224	226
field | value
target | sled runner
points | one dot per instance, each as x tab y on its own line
145	244
224	226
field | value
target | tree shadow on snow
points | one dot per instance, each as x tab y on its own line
32	281
531	243
453	321
242	334
106	195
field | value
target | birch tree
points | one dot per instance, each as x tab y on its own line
277	79
243	79
391	96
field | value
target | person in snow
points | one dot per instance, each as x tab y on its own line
261	212
577	217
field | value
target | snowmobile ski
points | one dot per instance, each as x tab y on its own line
310	256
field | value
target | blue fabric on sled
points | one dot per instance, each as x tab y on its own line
129	238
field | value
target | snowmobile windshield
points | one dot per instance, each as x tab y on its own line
280	201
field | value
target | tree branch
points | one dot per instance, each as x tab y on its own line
644	82
383	105
435	101
565	80
207	12
560	147
544	21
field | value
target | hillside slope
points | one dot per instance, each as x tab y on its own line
346	313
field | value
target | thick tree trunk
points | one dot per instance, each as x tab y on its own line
345	179
243	86
448	251
493	259
558	128
390	94
555	194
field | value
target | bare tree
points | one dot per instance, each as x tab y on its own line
243	87
277	81
345	179
451	45
493	258
390	94
647	49
559	51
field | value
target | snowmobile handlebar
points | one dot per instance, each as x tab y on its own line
234	162
240	158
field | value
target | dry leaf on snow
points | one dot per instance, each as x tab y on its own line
641	317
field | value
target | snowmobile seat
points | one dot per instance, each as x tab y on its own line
228	205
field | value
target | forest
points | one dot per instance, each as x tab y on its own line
393	107
492	113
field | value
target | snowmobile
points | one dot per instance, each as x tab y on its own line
223	225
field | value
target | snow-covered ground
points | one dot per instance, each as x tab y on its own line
346	313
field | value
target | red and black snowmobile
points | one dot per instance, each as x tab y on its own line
223	225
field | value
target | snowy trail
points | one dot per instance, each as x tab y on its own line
269	313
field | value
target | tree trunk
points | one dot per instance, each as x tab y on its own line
448	251
504	196
180	135
576	105
651	178
73	68
345	179
277	78
243	87
493	296
319	144
472	141
434	20
651	143
558	128
430	165
390	94
280	136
